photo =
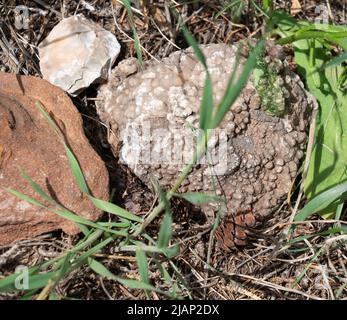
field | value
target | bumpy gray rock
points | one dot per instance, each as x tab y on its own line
254	156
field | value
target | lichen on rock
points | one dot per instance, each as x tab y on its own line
269	82
253	156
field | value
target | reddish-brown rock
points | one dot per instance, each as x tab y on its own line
28	142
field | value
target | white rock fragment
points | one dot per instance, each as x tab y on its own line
77	53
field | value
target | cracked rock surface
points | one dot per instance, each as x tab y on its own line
254	156
28	142
76	53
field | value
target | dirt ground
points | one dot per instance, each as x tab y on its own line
263	269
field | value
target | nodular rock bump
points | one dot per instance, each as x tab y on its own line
154	111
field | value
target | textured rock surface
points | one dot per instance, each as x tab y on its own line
28	142
76	53
263	153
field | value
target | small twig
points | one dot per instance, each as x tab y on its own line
331	221
104	289
275	286
322	269
48	7
6	48
132	8
252	258
115	257
330	12
130	38
24	51
164	36
46	290
238	287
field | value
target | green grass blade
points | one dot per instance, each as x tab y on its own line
206	107
198	198
138	48
84	243
75	167
64	266
38	189
29	295
142	264
135	284
163	272
173	251
100	269
37	281
127	5
329	232
234	8
100	204
259	8
65	214
302	274
49	119
282	20
165	232
80	220
234	89
83	258
334	62
114	209
24	197
337	37
7	284
267	4
121	225
327	167
322	201
195	46
338	212
76	170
